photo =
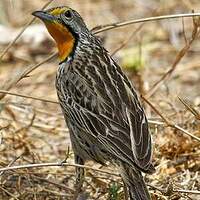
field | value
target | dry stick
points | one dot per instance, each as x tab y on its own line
188	191
53	183
184	34
32	68
9	193
163	191
28	96
156	188
11	163
124	43
21	32
55	165
102	28
39	125
24	73
168	122
82	166
189	107
60	194
178	58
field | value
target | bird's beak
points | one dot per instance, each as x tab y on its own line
44	16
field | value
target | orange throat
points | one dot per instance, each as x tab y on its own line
63	37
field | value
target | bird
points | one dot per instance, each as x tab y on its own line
101	107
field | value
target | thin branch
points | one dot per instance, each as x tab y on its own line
155	122
55	165
189	107
186	132
157	111
28	70
156	188
178	58
21	32
164	191
125	42
86	167
106	27
183	28
168	122
60	194
24	73
11	163
188	191
53	183
9	193
39	125
28	96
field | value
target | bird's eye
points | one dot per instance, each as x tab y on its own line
68	14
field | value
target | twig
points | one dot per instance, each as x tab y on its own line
188	191
156	188
186	132
21	32
190	108
40	125
156	111
106	27
184	34
31	68
57	193
24	73
55	165
164	191
11	163
53	183
9	193
124	43
28	96
178	58
168	122
86	167
155	122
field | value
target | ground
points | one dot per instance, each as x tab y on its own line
33	131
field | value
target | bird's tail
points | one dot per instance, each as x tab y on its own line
135	186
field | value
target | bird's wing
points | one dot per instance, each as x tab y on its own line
141	142
110	110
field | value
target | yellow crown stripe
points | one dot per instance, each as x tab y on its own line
58	11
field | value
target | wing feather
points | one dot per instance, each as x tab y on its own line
106	105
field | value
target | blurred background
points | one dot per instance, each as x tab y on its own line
34	131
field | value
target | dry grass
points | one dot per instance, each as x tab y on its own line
162	59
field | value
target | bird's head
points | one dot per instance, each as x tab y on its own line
65	26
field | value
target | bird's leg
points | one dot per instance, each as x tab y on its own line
79	176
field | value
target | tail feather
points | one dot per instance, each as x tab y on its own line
134	183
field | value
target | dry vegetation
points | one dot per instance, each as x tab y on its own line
162	59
